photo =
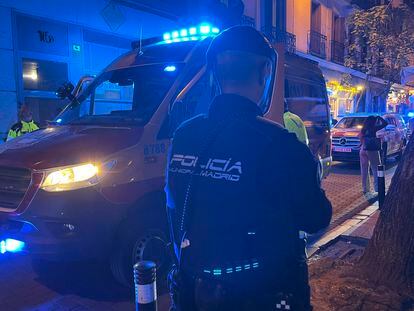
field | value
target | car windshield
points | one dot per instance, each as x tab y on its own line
128	96
351	123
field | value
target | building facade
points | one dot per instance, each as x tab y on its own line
44	46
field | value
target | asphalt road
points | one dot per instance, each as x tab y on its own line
89	286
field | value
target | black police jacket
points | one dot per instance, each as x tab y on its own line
253	187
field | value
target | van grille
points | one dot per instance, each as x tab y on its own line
14	183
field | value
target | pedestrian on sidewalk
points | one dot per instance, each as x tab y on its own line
369	154
239	189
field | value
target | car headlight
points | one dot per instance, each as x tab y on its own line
71	177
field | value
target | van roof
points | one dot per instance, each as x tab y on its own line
153	54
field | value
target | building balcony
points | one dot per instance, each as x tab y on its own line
337	52
277	35
317	44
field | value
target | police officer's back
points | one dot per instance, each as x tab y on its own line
239	189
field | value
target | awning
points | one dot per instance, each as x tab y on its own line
407	76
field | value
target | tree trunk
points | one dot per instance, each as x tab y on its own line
389	257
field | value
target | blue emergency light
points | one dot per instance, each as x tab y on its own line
170	68
11	246
410	114
200	32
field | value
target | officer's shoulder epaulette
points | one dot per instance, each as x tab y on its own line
17	126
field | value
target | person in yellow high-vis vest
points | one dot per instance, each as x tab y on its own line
295	125
25	125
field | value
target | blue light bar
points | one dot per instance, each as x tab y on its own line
11	246
170	68
204	30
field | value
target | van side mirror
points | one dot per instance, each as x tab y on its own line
65	91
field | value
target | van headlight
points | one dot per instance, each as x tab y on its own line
71	177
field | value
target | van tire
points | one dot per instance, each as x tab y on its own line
135	250
134	243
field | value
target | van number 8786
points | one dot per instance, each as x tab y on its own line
154	149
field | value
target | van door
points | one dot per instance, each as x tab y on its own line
307	100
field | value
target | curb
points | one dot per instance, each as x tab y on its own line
343	231
312	239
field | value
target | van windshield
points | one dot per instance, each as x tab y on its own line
127	96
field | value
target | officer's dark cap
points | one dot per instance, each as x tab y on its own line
242	39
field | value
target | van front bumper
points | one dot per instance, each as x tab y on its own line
72	225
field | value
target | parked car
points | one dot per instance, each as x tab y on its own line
346	143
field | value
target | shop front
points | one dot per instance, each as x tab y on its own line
343	98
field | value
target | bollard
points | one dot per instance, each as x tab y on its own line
145	274
381	186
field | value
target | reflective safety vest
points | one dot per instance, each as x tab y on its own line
294	124
21	128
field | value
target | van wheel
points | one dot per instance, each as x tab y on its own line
137	245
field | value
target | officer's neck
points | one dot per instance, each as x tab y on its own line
248	92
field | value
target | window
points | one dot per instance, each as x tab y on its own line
316	17
351	123
308	101
43	75
127	96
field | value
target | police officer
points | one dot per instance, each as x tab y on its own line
25	125
239	189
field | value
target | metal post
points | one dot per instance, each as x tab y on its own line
381	186
145	274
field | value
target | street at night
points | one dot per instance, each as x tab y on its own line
206	155
90	286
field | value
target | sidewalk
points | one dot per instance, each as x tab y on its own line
360	227
344	190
